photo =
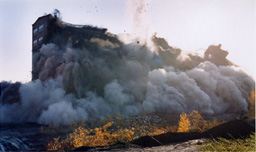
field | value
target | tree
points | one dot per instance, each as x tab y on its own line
197	121
184	123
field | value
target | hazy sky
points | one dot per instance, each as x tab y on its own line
191	25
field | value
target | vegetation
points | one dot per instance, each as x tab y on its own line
91	137
195	122
184	123
115	128
222	144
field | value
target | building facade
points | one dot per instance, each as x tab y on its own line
40	35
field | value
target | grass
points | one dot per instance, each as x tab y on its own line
222	144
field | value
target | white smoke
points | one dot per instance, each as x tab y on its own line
129	87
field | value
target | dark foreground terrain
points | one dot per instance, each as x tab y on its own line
27	137
181	141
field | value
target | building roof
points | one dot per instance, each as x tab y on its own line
48	16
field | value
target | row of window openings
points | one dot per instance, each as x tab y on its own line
40	39
40	28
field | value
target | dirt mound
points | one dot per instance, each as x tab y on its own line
167	138
231	129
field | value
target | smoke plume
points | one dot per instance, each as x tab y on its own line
92	73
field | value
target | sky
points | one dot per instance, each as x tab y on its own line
191	25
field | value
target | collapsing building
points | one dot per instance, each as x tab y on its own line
84	73
50	29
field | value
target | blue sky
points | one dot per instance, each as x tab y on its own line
189	25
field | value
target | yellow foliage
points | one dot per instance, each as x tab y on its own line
53	145
57	144
107	126
197	121
184	123
96	137
251	112
172	128
91	138
157	131
199	124
195	117
124	135
125	130
212	124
